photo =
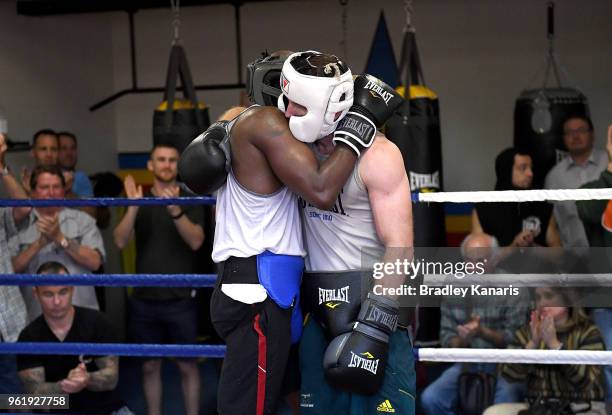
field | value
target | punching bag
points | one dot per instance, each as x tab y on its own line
538	124
539	115
177	122
415	129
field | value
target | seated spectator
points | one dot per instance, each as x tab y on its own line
583	164
90	382
488	322
12	308
596	216
57	234
516	224
556	324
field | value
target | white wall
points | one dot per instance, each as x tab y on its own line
477	55
51	71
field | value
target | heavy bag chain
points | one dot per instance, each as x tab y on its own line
343	42
409	10
550	35
176	21
552	64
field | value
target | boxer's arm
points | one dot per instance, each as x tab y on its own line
296	165
383	173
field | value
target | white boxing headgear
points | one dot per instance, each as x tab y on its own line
320	95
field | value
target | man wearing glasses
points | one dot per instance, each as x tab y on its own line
583	164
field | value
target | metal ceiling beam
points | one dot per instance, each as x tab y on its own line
136	90
55	7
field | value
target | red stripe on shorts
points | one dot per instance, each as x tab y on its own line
261	367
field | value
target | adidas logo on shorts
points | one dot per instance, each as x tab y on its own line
385	407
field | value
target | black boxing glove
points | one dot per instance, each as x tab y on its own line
204	164
356	361
334	303
373	104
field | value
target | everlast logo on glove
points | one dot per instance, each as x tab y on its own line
365	347
356	126
370	364
378	91
377	315
338	294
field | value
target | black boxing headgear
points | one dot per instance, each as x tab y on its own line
263	79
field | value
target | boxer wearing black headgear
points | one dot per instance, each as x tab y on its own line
258	232
263	78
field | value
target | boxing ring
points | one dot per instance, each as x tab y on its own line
208	280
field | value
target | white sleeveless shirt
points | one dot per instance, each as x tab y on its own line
249	223
344	238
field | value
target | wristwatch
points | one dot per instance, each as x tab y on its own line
64	243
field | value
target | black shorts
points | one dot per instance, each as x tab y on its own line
258	339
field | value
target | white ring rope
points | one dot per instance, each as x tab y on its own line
517	195
545	357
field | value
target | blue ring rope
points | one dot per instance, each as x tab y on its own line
121	349
115	349
108	201
117	201
112	280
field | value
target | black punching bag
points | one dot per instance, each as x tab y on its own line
539	114
176	122
538	124
415	129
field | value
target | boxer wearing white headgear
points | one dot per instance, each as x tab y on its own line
268	169
323	96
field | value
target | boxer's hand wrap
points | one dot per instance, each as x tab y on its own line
204	164
373	104
356	361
